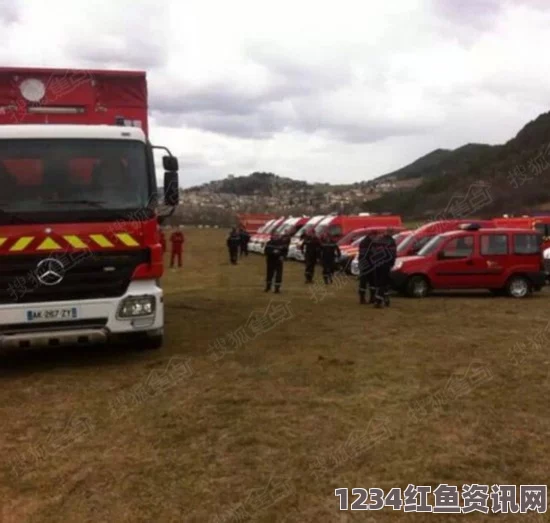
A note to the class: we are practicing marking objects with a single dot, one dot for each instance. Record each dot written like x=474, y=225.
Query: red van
x=421, y=236
x=338, y=226
x=350, y=238
x=504, y=261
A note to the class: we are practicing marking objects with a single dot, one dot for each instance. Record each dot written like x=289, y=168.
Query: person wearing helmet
x=276, y=250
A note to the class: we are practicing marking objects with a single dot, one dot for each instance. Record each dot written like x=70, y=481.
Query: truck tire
x=417, y=287
x=151, y=342
x=518, y=287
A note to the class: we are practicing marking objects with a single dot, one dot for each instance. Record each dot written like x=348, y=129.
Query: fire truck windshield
x=68, y=177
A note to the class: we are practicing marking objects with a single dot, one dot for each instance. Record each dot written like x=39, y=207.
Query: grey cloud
x=289, y=79
x=121, y=51
x=128, y=35
x=10, y=11
x=256, y=125
x=291, y=101
x=216, y=99
x=478, y=13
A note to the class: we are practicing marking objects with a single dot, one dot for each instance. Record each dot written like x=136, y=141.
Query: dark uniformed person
x=329, y=252
x=366, y=269
x=245, y=238
x=311, y=247
x=276, y=249
x=386, y=259
x=233, y=244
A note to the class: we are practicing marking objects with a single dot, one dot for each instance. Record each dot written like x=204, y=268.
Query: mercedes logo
x=50, y=271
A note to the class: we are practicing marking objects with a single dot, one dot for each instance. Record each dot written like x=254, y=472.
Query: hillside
x=515, y=175
x=418, y=167
x=512, y=177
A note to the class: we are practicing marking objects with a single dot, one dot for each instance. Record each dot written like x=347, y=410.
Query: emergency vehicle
x=502, y=260
x=251, y=223
x=81, y=258
x=294, y=251
x=259, y=240
x=338, y=226
x=288, y=228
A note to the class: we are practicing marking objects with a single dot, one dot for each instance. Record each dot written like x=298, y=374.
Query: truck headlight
x=397, y=266
x=135, y=306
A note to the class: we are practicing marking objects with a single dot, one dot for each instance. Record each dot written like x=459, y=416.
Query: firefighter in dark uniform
x=245, y=238
x=329, y=252
x=311, y=247
x=386, y=262
x=276, y=250
x=366, y=269
x=233, y=243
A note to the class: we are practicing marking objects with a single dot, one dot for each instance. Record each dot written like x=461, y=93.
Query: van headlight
x=136, y=306
x=398, y=264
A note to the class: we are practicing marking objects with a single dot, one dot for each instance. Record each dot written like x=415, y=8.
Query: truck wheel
x=151, y=342
x=518, y=287
x=417, y=287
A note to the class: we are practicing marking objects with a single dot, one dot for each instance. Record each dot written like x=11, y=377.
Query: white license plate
x=63, y=314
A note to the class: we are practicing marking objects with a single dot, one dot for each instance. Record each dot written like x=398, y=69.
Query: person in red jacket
x=177, y=240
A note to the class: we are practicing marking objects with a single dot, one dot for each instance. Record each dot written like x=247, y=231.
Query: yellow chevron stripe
x=2, y=241
x=127, y=240
x=101, y=240
x=75, y=241
x=21, y=243
x=48, y=244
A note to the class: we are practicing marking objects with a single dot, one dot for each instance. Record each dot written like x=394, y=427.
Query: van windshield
x=405, y=244
x=430, y=247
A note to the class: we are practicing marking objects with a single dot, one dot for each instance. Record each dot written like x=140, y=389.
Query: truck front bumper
x=84, y=322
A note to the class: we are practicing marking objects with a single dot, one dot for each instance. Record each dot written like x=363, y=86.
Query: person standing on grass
x=177, y=240
x=387, y=259
x=366, y=269
x=311, y=247
x=329, y=253
x=245, y=238
x=233, y=244
x=276, y=250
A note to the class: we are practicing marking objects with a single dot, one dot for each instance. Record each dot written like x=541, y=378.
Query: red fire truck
x=80, y=248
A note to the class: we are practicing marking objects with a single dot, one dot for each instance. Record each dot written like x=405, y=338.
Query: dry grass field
x=261, y=405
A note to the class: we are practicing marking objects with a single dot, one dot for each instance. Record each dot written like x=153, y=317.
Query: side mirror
x=171, y=188
x=170, y=163
x=441, y=255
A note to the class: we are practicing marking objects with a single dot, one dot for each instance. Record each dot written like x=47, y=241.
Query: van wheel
x=417, y=287
x=518, y=287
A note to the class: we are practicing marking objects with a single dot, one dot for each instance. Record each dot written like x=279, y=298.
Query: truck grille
x=100, y=275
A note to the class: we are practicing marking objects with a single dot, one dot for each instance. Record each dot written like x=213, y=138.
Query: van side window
x=541, y=229
x=461, y=247
x=526, y=244
x=494, y=244
x=335, y=230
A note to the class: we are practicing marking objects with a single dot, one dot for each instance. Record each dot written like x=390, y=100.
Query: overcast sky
x=340, y=91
